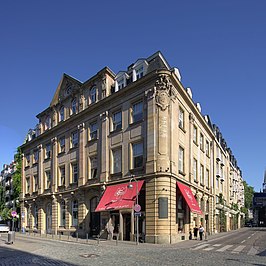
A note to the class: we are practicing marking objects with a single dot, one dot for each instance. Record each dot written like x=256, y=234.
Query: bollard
x=87, y=237
x=206, y=237
x=68, y=235
x=98, y=240
x=77, y=236
x=116, y=241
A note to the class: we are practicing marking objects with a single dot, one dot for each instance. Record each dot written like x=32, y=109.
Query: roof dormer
x=121, y=80
x=139, y=69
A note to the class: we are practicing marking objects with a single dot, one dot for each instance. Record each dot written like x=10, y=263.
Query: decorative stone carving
x=191, y=118
x=164, y=92
x=104, y=115
x=81, y=102
x=81, y=126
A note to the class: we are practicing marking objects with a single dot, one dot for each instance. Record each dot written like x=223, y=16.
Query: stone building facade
x=139, y=127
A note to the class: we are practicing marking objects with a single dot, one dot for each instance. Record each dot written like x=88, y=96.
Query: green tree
x=17, y=175
x=248, y=193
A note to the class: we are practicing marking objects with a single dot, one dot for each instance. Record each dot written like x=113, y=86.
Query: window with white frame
x=35, y=185
x=181, y=123
x=74, y=139
x=93, y=130
x=201, y=174
x=74, y=167
x=195, y=134
x=48, y=178
x=207, y=148
x=36, y=156
x=139, y=72
x=195, y=169
x=93, y=95
x=74, y=106
x=117, y=161
x=47, y=151
x=201, y=142
x=207, y=178
x=27, y=185
x=137, y=112
x=137, y=150
x=74, y=213
x=117, y=120
x=93, y=167
x=62, y=175
x=62, y=144
x=121, y=83
x=181, y=153
x=63, y=213
x=62, y=114
x=47, y=123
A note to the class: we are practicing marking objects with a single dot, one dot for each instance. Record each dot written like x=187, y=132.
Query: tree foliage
x=17, y=175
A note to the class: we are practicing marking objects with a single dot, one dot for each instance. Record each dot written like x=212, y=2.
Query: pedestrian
x=195, y=231
x=201, y=231
x=190, y=235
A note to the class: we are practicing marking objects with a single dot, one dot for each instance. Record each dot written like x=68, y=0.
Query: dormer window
x=139, y=69
x=120, y=84
x=139, y=72
x=121, y=80
x=74, y=106
x=62, y=113
x=93, y=95
x=47, y=123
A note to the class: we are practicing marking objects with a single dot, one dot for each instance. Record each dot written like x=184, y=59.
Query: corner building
x=117, y=139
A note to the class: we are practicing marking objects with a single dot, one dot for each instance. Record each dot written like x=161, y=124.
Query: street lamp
x=137, y=207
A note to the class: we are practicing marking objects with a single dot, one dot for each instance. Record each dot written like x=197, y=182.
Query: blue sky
x=218, y=46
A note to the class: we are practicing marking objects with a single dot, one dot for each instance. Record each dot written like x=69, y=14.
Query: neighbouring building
x=259, y=206
x=115, y=140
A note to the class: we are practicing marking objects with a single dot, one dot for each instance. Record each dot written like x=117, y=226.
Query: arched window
x=63, y=213
x=62, y=114
x=74, y=213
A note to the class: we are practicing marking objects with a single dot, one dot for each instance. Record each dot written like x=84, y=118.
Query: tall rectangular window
x=137, y=112
x=74, y=139
x=137, y=149
x=75, y=213
x=201, y=174
x=181, y=123
x=207, y=178
x=181, y=153
x=195, y=134
x=28, y=185
x=139, y=72
x=62, y=114
x=27, y=156
x=36, y=156
x=207, y=147
x=47, y=151
x=93, y=95
x=74, y=167
x=117, y=161
x=195, y=169
x=35, y=185
x=62, y=174
x=73, y=106
x=62, y=144
x=93, y=130
x=120, y=84
x=48, y=178
x=93, y=167
x=117, y=120
x=201, y=142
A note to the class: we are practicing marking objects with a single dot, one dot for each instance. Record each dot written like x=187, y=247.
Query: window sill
x=181, y=173
x=61, y=153
x=195, y=143
x=92, y=140
x=27, y=167
x=136, y=123
x=116, y=131
x=196, y=181
x=73, y=148
x=137, y=170
x=116, y=175
x=46, y=160
x=183, y=129
x=202, y=150
x=202, y=184
x=35, y=164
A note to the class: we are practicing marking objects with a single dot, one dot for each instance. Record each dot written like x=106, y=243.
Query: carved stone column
x=54, y=165
x=40, y=170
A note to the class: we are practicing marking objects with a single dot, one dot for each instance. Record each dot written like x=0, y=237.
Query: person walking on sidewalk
x=201, y=231
x=195, y=232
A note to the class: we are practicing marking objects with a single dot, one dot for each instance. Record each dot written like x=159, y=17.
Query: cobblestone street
x=30, y=250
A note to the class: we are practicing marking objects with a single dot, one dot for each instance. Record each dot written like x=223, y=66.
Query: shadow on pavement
x=10, y=256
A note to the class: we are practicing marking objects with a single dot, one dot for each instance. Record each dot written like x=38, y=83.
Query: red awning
x=119, y=197
x=189, y=197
